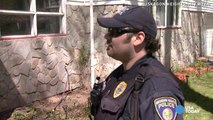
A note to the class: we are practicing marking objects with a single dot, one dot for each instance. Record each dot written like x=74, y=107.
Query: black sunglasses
x=115, y=32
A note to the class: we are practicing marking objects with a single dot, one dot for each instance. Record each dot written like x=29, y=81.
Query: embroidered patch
x=165, y=107
x=119, y=89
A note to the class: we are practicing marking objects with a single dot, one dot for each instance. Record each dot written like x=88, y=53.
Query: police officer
x=141, y=88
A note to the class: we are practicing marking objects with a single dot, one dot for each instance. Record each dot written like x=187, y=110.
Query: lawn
x=198, y=95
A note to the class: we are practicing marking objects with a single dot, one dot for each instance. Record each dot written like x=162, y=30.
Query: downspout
x=200, y=34
x=92, y=49
x=166, y=12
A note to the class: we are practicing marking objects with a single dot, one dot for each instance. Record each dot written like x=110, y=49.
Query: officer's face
x=119, y=45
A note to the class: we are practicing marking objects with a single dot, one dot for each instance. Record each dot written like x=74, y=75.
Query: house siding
x=198, y=5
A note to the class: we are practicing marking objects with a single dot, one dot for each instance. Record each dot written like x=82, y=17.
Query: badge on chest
x=119, y=89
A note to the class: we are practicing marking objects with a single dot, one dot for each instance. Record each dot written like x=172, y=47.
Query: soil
x=75, y=102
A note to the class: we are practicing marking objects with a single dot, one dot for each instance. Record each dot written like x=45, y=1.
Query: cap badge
x=119, y=89
x=165, y=107
x=120, y=12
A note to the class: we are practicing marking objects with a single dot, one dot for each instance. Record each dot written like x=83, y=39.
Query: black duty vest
x=112, y=103
x=111, y=108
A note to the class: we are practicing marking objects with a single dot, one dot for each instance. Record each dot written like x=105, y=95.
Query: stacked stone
x=34, y=69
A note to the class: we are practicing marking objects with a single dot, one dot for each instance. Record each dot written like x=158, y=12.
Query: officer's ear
x=139, y=38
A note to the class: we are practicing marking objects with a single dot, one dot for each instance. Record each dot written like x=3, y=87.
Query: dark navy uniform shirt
x=158, y=98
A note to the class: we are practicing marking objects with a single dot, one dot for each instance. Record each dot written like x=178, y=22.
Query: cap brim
x=110, y=23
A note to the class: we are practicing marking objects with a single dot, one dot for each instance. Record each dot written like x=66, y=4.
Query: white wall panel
x=198, y=5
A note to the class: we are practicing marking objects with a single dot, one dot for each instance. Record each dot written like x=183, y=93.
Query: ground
x=198, y=85
x=75, y=102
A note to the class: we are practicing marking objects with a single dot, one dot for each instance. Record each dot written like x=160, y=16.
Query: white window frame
x=34, y=13
x=177, y=25
x=105, y=2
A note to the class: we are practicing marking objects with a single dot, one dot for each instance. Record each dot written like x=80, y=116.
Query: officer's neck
x=129, y=63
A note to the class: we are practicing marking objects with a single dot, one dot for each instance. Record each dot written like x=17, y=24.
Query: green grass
x=198, y=95
x=29, y=113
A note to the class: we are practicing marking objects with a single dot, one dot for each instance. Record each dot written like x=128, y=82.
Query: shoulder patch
x=119, y=89
x=165, y=107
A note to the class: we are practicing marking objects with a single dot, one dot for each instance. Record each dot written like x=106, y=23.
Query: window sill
x=168, y=27
x=18, y=37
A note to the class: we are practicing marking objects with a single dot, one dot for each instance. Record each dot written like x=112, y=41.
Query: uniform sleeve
x=160, y=103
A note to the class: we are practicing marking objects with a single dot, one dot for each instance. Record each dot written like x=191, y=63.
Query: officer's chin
x=110, y=54
x=114, y=57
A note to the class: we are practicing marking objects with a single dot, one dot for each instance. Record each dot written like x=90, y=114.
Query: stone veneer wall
x=34, y=69
x=79, y=30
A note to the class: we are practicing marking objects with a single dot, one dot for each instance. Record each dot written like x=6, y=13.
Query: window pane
x=14, y=25
x=47, y=5
x=22, y=5
x=173, y=11
x=47, y=24
x=160, y=12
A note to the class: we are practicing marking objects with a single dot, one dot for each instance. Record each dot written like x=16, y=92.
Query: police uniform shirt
x=158, y=97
